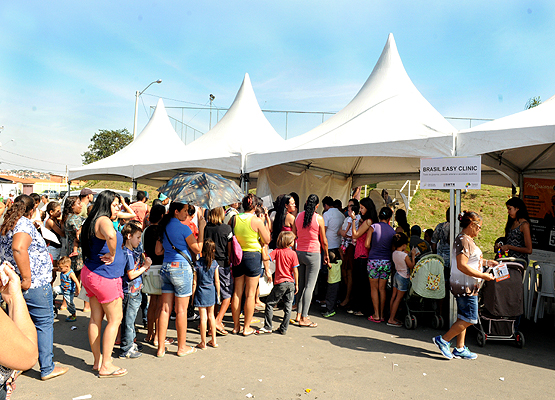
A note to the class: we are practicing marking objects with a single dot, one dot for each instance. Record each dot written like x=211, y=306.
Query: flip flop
x=294, y=322
x=212, y=344
x=200, y=348
x=250, y=333
x=371, y=318
x=311, y=325
x=395, y=324
x=193, y=350
x=116, y=374
x=222, y=332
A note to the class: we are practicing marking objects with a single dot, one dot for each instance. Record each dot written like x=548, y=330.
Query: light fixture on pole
x=137, y=94
x=211, y=97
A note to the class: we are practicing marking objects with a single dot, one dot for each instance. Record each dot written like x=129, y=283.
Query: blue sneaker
x=464, y=354
x=443, y=346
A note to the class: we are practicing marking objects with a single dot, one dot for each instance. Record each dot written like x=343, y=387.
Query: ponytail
x=309, y=209
x=22, y=206
x=467, y=217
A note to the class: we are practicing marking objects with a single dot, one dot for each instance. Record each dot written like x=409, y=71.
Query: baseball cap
x=162, y=196
x=85, y=192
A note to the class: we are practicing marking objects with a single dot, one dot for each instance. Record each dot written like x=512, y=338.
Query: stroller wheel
x=414, y=322
x=436, y=322
x=481, y=339
x=441, y=322
x=408, y=322
x=520, y=340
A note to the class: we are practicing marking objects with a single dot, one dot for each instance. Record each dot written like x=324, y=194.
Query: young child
x=334, y=280
x=286, y=282
x=206, y=286
x=132, y=283
x=69, y=286
x=401, y=279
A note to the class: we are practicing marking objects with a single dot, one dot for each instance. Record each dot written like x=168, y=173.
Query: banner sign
x=539, y=197
x=451, y=173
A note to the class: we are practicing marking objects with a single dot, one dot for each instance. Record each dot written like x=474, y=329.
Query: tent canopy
x=243, y=130
x=519, y=144
x=157, y=142
x=387, y=118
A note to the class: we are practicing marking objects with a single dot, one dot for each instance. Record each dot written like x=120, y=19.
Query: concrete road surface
x=345, y=357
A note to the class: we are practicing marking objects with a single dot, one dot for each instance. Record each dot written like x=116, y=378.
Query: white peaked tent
x=517, y=145
x=380, y=135
x=146, y=155
x=242, y=130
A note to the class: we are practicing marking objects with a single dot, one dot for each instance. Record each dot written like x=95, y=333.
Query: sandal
x=250, y=333
x=222, y=332
x=358, y=314
x=311, y=325
x=371, y=318
x=211, y=344
x=115, y=374
x=193, y=350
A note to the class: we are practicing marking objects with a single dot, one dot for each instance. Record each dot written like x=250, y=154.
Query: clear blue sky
x=68, y=69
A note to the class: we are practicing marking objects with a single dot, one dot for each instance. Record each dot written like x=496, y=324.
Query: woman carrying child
x=401, y=280
x=52, y=223
x=361, y=285
x=206, y=285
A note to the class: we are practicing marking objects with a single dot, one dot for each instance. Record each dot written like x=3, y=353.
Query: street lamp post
x=137, y=94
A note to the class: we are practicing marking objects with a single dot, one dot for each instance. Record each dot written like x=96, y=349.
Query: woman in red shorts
x=101, y=276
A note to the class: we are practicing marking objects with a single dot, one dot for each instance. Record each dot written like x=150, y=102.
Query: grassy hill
x=428, y=209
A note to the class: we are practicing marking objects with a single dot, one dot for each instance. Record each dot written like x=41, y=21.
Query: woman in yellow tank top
x=250, y=231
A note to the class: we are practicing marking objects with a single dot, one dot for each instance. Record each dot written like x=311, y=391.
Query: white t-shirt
x=462, y=284
x=333, y=220
x=399, y=258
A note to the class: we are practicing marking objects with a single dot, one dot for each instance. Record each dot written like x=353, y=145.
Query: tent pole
x=134, y=194
x=452, y=218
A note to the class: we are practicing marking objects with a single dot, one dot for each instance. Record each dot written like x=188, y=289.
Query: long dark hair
x=68, y=207
x=385, y=214
x=309, y=209
x=174, y=206
x=522, y=212
x=401, y=219
x=279, y=218
x=22, y=206
x=102, y=208
x=371, y=212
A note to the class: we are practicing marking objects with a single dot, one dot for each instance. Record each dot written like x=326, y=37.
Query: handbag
x=152, y=283
x=236, y=250
x=184, y=255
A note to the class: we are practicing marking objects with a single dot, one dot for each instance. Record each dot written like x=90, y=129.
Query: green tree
x=105, y=143
x=533, y=102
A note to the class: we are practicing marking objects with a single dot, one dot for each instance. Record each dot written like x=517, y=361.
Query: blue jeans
x=68, y=297
x=39, y=303
x=131, y=304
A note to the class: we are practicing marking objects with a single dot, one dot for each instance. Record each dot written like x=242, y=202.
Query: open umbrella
x=202, y=189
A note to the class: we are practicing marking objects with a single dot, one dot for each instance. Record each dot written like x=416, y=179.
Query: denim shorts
x=251, y=265
x=400, y=282
x=54, y=252
x=177, y=278
x=467, y=309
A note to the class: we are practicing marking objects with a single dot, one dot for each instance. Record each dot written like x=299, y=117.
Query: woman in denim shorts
x=177, y=273
x=466, y=279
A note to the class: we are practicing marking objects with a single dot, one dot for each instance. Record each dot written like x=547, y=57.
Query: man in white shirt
x=333, y=220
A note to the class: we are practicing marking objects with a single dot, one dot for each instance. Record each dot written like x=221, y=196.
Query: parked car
x=95, y=191
x=52, y=194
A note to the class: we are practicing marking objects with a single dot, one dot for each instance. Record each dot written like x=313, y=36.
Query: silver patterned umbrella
x=202, y=189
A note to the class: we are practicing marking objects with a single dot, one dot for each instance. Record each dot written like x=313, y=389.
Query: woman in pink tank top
x=311, y=240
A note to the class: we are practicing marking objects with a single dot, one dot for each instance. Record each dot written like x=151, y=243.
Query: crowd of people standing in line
x=175, y=251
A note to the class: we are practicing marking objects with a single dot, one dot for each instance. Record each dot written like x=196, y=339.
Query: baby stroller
x=427, y=283
x=501, y=305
